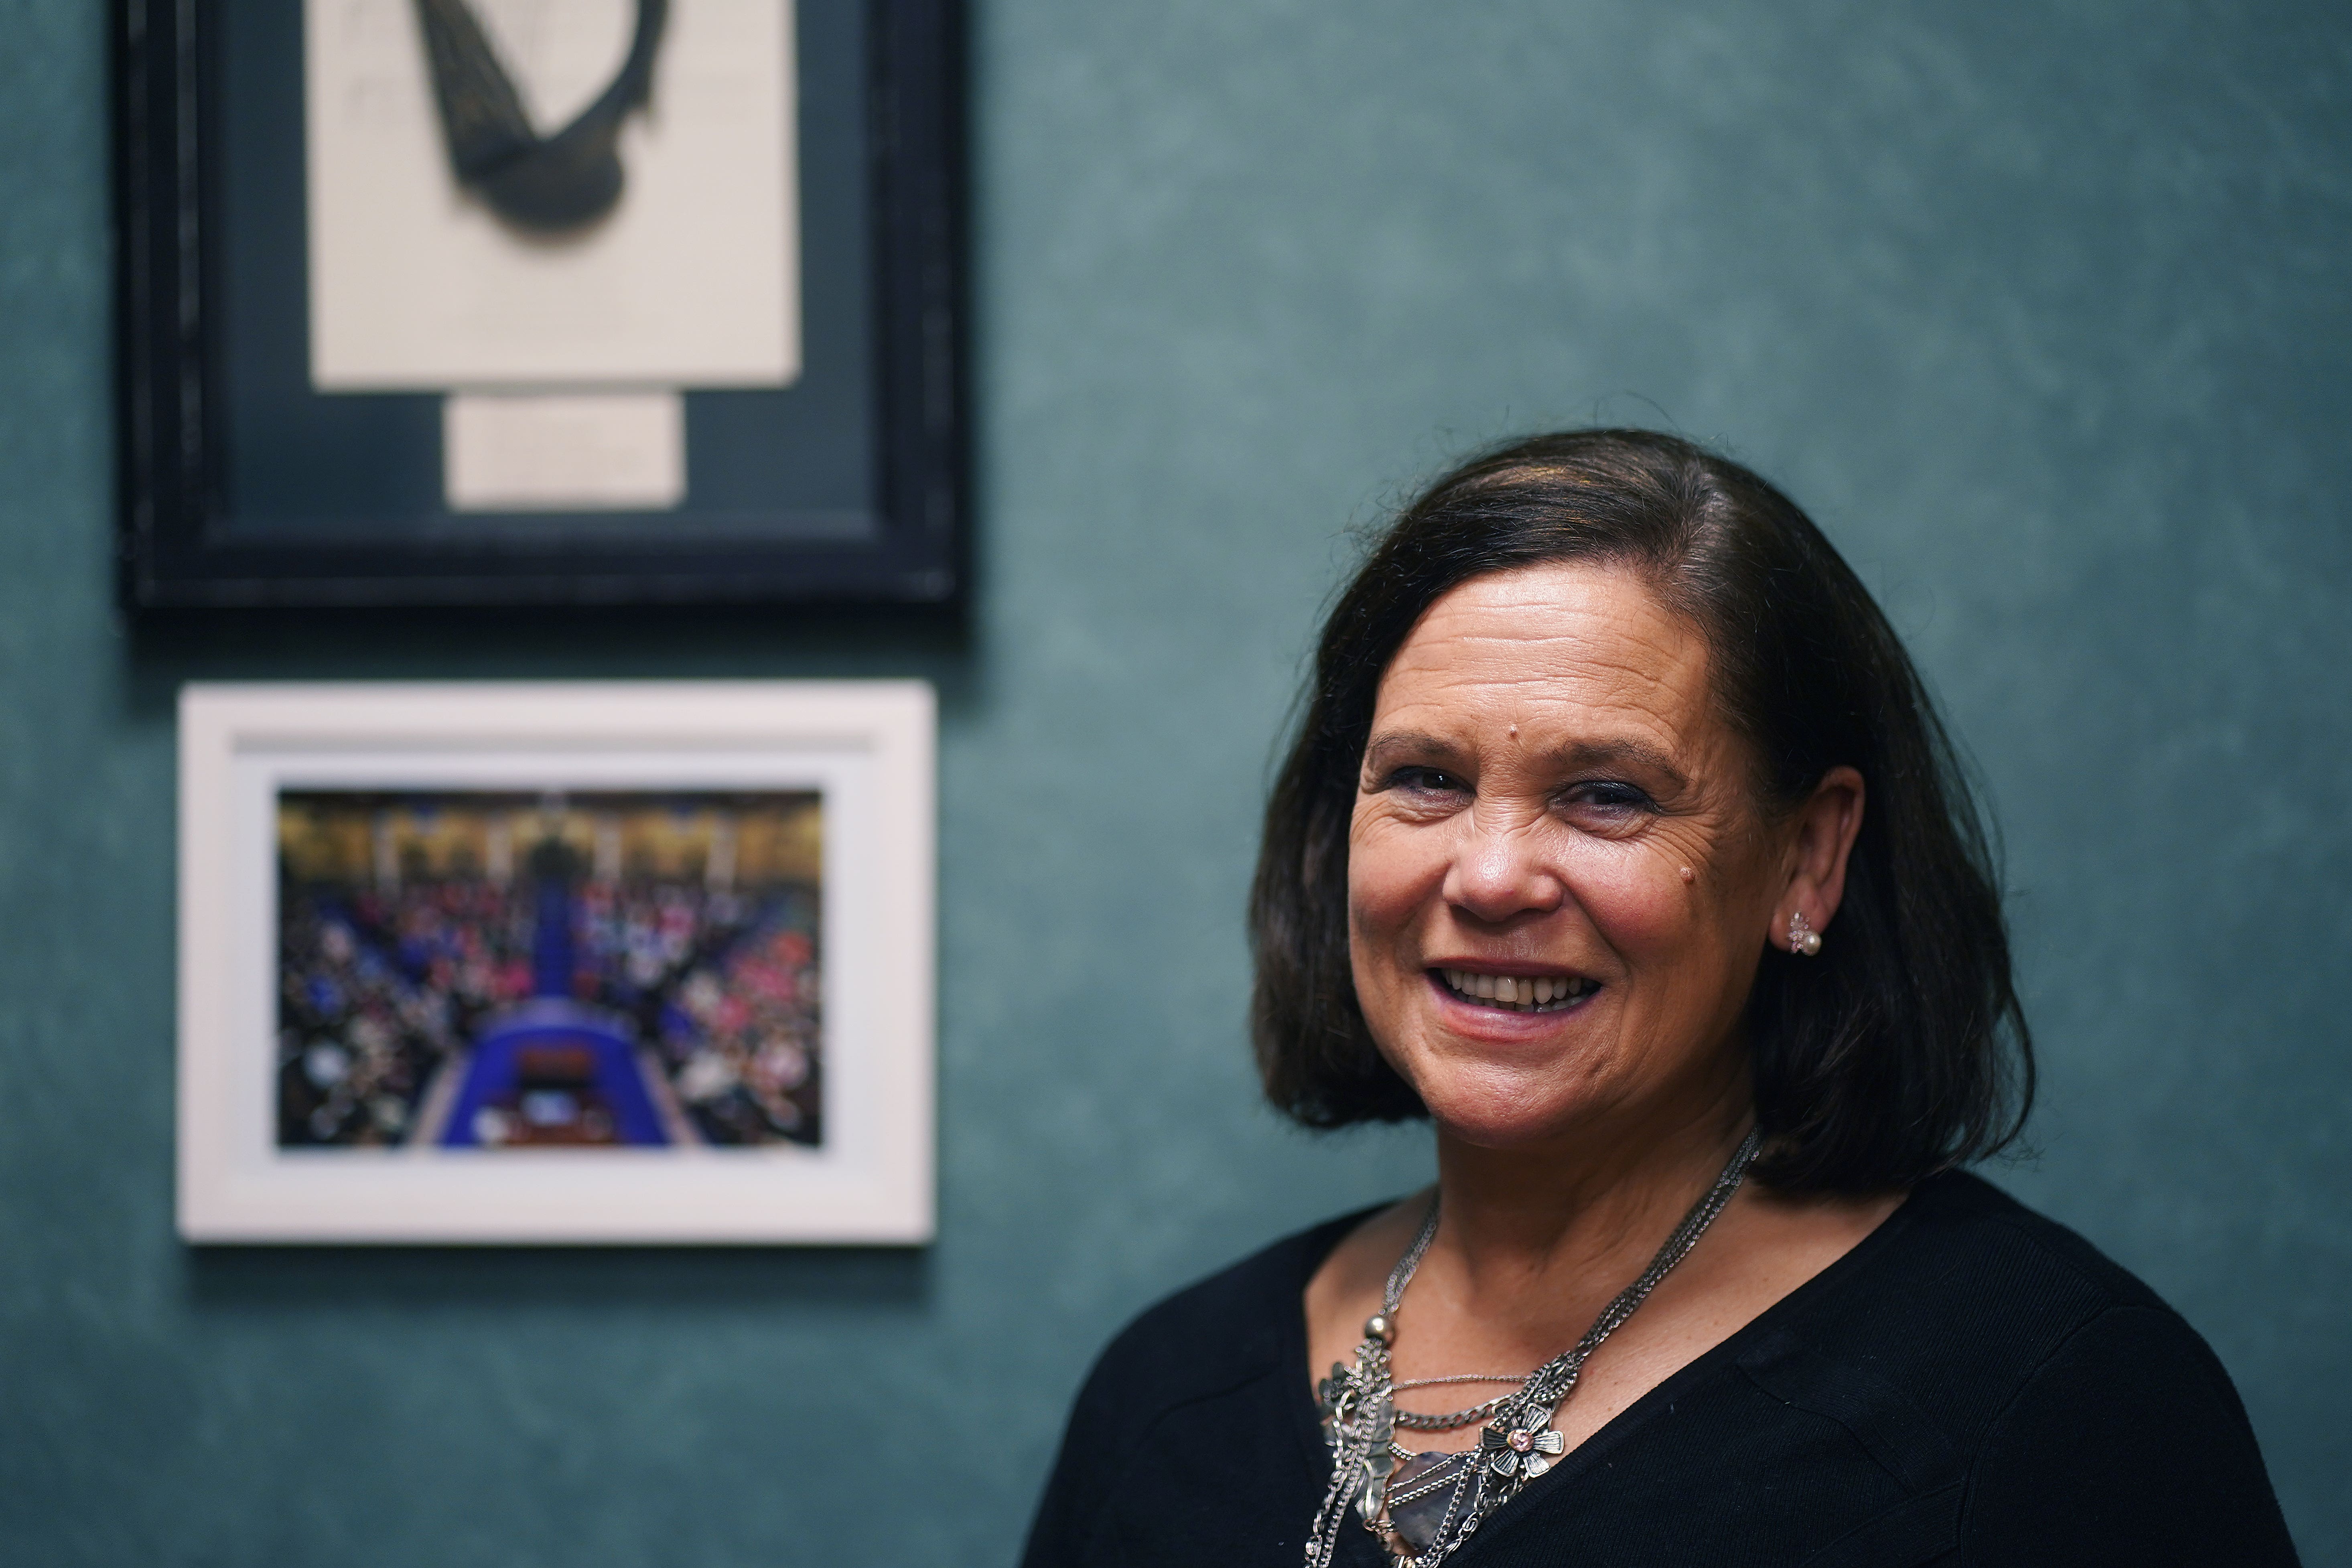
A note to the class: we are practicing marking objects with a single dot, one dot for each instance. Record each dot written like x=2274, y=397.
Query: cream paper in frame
x=692, y=279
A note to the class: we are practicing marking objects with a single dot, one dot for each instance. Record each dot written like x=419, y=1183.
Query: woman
x=1621, y=841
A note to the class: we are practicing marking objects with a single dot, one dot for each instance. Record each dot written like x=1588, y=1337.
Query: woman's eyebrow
x=1578, y=755
x=1392, y=746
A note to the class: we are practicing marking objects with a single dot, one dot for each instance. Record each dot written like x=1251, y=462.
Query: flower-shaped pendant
x=1526, y=1446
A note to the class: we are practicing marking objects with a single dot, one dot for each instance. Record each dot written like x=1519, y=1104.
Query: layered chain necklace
x=1423, y=1506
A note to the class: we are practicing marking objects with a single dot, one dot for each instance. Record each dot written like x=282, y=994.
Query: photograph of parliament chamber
x=482, y=303
x=562, y=962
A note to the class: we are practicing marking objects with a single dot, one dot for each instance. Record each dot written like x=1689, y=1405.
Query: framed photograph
x=510, y=301
x=556, y=962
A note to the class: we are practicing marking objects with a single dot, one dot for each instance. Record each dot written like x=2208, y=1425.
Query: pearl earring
x=1803, y=937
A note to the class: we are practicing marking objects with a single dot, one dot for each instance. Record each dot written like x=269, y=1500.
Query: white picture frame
x=864, y=748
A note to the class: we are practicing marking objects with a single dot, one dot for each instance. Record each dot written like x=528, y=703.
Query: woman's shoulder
x=1221, y=1345
x=1961, y=1252
x=1996, y=1346
x=1237, y=1323
x=1964, y=1293
x=1982, y=1351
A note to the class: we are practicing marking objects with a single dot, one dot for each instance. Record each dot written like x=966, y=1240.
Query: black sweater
x=1972, y=1385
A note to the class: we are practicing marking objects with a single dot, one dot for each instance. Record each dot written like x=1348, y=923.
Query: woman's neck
x=1589, y=1208
x=1533, y=1244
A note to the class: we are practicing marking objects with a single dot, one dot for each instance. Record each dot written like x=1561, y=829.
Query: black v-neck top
x=1972, y=1385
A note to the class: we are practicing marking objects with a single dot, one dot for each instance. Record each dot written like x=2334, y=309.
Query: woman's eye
x=1608, y=801
x=1426, y=781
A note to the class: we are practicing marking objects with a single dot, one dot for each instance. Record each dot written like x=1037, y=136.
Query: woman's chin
x=1502, y=1108
x=1511, y=1092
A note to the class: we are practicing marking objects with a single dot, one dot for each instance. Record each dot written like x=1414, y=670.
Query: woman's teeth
x=1520, y=993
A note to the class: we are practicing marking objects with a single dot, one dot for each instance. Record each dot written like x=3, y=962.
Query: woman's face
x=1559, y=884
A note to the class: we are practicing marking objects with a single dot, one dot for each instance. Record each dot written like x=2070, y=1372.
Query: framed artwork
x=556, y=962
x=509, y=301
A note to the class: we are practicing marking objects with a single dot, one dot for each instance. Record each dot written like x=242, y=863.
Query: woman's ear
x=1825, y=827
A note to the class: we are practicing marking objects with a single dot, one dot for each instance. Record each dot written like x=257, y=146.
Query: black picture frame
x=321, y=500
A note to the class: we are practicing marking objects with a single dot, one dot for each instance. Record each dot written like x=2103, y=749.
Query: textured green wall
x=2042, y=308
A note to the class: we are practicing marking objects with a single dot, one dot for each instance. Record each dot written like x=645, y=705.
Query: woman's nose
x=1500, y=871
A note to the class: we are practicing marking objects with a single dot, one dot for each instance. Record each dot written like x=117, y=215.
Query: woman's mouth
x=1517, y=993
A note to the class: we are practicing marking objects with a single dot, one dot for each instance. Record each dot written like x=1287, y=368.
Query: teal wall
x=2042, y=307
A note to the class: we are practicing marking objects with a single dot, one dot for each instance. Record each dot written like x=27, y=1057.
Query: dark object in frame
x=242, y=487
x=550, y=184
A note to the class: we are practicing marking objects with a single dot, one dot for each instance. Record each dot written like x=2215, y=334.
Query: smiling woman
x=1620, y=841
x=1546, y=761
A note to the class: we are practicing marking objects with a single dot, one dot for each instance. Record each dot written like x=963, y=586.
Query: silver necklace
x=1422, y=1507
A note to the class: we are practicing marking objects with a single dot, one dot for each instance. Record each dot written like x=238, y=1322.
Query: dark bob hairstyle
x=1900, y=1050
